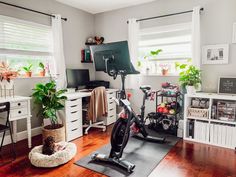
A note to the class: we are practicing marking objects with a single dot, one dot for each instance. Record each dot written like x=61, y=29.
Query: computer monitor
x=77, y=78
x=118, y=55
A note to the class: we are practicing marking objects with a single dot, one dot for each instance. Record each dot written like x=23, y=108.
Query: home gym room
x=138, y=88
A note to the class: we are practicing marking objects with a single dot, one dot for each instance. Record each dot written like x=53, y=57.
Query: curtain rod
x=31, y=10
x=168, y=15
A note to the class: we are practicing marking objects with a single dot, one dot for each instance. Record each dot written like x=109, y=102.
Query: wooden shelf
x=198, y=118
x=86, y=61
x=223, y=121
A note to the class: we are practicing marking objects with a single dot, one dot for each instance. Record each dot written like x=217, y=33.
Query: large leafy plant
x=50, y=101
x=189, y=75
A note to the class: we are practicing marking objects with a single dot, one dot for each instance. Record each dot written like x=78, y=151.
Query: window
x=23, y=43
x=174, y=43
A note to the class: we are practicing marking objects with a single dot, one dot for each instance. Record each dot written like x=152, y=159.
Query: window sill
x=32, y=77
x=159, y=75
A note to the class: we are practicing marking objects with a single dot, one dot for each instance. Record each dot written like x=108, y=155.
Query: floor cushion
x=58, y=158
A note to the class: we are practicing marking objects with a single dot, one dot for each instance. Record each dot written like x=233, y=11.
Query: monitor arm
x=110, y=71
x=114, y=73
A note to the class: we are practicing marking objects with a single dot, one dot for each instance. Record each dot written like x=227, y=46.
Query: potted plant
x=42, y=69
x=6, y=76
x=50, y=101
x=164, y=69
x=189, y=77
x=28, y=70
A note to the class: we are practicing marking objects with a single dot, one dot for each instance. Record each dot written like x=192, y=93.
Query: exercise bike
x=128, y=121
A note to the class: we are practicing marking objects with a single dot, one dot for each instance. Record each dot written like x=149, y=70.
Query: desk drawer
x=73, y=103
x=71, y=116
x=19, y=112
x=110, y=95
x=111, y=117
x=74, y=133
x=111, y=105
x=74, y=124
x=19, y=104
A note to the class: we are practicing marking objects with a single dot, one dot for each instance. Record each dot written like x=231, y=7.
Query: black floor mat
x=145, y=155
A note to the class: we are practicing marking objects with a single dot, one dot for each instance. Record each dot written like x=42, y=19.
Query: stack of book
x=223, y=135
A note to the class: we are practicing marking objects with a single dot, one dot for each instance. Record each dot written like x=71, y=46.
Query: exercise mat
x=145, y=155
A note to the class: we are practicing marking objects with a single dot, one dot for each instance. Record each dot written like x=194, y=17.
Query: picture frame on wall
x=215, y=54
x=234, y=33
x=227, y=85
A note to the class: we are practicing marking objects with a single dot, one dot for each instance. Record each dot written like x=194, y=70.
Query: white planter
x=7, y=85
x=190, y=90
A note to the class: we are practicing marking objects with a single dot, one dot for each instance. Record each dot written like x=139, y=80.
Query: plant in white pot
x=189, y=77
x=6, y=76
x=50, y=101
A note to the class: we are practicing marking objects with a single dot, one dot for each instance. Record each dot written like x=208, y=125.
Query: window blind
x=173, y=40
x=24, y=38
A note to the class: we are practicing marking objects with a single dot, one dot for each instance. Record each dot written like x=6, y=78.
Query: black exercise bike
x=128, y=121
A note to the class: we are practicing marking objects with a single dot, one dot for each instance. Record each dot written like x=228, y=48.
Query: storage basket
x=198, y=113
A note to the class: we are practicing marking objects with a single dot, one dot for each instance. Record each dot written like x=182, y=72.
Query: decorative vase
x=191, y=90
x=28, y=74
x=42, y=73
x=7, y=85
x=57, y=133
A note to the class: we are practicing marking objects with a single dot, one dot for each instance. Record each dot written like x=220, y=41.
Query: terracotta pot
x=28, y=74
x=164, y=72
x=42, y=73
x=58, y=134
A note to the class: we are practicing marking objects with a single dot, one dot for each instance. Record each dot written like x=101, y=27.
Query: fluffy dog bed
x=58, y=158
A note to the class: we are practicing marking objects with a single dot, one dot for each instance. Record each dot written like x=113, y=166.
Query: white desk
x=72, y=115
x=19, y=109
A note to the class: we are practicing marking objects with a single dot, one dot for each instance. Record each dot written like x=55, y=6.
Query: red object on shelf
x=82, y=55
x=129, y=95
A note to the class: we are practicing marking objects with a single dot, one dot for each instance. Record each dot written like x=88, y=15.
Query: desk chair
x=5, y=108
x=98, y=98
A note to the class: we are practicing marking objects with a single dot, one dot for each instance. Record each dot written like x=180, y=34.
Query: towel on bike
x=98, y=104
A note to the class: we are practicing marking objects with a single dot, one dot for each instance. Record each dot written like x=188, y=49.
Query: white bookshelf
x=207, y=130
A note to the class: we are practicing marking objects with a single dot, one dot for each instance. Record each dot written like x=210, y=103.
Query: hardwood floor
x=184, y=160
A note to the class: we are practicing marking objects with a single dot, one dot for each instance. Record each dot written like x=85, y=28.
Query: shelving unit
x=178, y=98
x=208, y=130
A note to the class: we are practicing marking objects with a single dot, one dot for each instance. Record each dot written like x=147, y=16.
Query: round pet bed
x=58, y=158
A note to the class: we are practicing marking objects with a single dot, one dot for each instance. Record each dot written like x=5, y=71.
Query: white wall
x=216, y=26
x=79, y=26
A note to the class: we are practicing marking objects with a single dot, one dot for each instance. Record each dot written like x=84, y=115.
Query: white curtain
x=196, y=37
x=59, y=58
x=133, y=39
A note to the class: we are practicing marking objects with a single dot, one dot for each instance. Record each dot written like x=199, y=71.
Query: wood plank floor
x=184, y=160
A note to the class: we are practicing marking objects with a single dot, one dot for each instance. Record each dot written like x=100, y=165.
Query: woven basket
x=198, y=113
x=58, y=134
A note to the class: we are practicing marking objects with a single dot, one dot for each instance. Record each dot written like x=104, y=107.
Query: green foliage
x=41, y=65
x=50, y=100
x=156, y=52
x=28, y=68
x=152, y=53
x=189, y=75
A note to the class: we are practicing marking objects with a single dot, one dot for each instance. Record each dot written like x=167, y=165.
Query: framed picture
x=234, y=33
x=215, y=54
x=227, y=85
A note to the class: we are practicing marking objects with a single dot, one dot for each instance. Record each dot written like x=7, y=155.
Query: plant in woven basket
x=50, y=101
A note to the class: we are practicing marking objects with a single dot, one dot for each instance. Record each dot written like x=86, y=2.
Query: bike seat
x=145, y=87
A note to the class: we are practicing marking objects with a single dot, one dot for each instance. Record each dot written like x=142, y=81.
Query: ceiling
x=98, y=6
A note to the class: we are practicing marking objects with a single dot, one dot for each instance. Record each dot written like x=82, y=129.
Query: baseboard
x=22, y=135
